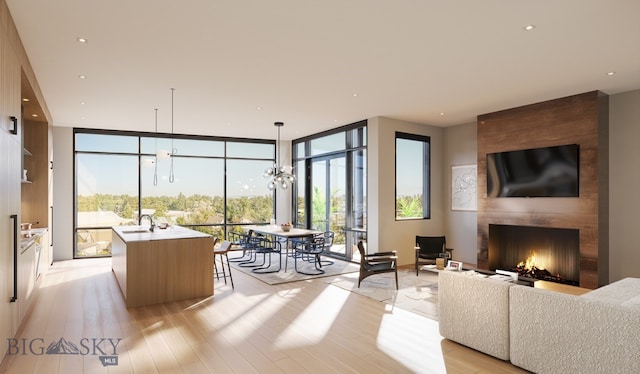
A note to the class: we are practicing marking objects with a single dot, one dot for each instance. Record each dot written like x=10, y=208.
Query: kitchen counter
x=161, y=266
x=28, y=237
x=142, y=233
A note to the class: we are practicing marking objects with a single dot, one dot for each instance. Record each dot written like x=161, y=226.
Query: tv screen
x=539, y=172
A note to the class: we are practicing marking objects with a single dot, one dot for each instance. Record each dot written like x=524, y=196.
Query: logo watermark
x=106, y=349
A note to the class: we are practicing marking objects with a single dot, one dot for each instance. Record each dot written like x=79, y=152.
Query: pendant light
x=148, y=162
x=279, y=175
x=155, y=170
x=165, y=154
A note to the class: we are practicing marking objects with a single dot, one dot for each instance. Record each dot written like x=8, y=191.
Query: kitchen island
x=162, y=265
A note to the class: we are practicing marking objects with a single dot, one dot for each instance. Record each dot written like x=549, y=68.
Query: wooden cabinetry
x=35, y=194
x=161, y=266
x=10, y=174
x=18, y=274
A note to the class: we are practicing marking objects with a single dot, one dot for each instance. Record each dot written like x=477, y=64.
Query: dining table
x=277, y=231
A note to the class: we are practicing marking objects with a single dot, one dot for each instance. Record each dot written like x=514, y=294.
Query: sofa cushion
x=623, y=292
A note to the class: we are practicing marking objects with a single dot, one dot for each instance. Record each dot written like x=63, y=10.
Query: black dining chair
x=310, y=250
x=267, y=246
x=329, y=236
x=241, y=242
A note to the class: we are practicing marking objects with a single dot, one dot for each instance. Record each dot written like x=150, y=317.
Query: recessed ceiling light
x=82, y=117
x=259, y=108
x=34, y=115
x=82, y=40
x=442, y=113
x=529, y=27
x=25, y=100
x=355, y=94
x=82, y=76
x=82, y=103
x=611, y=73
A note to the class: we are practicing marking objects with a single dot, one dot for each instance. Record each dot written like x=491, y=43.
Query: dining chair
x=267, y=246
x=377, y=263
x=329, y=236
x=310, y=250
x=241, y=242
x=223, y=252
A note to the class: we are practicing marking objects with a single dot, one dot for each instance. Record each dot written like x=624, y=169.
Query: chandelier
x=279, y=175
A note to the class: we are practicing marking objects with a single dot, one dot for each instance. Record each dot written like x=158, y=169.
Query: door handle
x=14, y=298
x=51, y=228
x=14, y=130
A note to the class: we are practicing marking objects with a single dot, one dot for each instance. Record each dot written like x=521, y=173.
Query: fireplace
x=544, y=253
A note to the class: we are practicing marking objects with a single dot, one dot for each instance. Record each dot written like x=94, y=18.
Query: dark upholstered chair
x=428, y=248
x=377, y=263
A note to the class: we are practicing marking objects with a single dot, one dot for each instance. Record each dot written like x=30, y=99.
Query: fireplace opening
x=542, y=253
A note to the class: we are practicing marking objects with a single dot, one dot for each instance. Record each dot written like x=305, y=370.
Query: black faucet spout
x=151, y=223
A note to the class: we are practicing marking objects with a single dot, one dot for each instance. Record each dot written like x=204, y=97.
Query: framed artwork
x=464, y=187
x=454, y=265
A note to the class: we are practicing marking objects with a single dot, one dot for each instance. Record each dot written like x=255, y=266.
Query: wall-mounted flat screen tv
x=538, y=172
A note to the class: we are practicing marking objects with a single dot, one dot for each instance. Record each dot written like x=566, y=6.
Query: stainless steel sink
x=136, y=231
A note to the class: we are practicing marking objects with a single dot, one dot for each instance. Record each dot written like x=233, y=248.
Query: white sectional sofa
x=598, y=332
x=544, y=331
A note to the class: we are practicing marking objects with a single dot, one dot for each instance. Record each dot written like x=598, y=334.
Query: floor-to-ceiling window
x=412, y=176
x=209, y=184
x=331, y=190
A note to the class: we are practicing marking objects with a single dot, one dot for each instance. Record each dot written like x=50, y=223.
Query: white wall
x=624, y=179
x=461, y=148
x=384, y=232
x=62, y=193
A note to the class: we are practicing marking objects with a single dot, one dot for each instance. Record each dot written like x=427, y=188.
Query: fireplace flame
x=531, y=263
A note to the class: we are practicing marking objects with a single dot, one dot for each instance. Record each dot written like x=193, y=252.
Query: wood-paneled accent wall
x=580, y=119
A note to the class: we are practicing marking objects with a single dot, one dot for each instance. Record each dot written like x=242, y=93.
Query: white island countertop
x=142, y=233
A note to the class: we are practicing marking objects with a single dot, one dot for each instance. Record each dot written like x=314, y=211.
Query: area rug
x=291, y=275
x=418, y=294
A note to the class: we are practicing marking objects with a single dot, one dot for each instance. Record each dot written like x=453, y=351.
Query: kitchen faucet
x=151, y=225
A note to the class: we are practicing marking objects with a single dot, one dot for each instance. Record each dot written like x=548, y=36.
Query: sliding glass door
x=328, y=180
x=332, y=191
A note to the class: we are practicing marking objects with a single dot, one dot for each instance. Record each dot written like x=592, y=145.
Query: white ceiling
x=238, y=66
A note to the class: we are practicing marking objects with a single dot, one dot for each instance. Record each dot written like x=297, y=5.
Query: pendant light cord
x=173, y=150
x=155, y=164
x=278, y=146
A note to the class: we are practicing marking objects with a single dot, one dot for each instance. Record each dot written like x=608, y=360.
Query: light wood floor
x=303, y=327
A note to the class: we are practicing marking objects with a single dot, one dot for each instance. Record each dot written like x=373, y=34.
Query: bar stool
x=223, y=251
